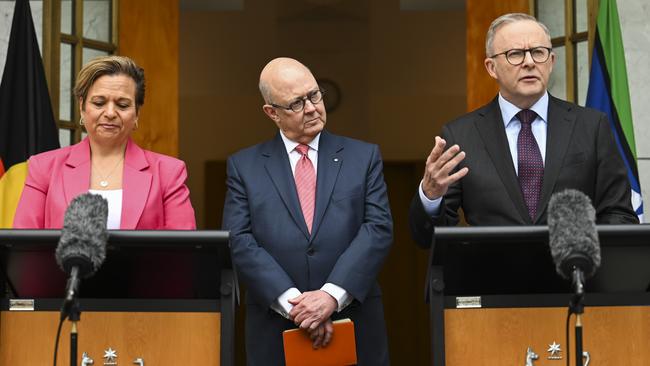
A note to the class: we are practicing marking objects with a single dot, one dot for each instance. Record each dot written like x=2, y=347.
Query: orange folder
x=341, y=351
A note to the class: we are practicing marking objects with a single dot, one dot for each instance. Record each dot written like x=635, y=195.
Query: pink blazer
x=154, y=197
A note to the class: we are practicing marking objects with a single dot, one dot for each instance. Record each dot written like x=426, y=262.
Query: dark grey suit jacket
x=580, y=153
x=273, y=251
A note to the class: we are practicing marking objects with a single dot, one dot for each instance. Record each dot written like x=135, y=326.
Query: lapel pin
x=336, y=160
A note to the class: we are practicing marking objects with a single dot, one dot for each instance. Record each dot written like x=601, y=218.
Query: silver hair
x=507, y=19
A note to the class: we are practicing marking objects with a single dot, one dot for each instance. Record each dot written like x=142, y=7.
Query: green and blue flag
x=608, y=91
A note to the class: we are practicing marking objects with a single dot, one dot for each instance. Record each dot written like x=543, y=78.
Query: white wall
x=6, y=17
x=634, y=15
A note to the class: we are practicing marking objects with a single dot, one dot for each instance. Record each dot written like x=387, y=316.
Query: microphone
x=82, y=246
x=573, y=238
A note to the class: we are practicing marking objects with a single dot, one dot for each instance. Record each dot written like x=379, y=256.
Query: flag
x=27, y=125
x=608, y=91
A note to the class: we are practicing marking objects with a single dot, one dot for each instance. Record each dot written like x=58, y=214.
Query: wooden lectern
x=496, y=300
x=160, y=298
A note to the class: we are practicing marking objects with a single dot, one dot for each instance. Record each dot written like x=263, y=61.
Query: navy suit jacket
x=273, y=251
x=580, y=154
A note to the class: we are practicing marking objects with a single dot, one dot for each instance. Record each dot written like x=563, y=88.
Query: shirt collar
x=290, y=145
x=509, y=110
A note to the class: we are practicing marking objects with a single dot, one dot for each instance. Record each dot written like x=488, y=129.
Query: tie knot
x=302, y=149
x=526, y=116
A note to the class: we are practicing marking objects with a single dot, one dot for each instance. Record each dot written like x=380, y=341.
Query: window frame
x=53, y=38
x=570, y=40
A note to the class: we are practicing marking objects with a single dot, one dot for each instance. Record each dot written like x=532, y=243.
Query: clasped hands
x=312, y=311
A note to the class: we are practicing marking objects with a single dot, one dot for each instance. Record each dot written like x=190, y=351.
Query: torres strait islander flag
x=608, y=91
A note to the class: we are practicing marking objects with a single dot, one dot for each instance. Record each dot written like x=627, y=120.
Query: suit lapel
x=279, y=170
x=136, y=183
x=492, y=130
x=559, y=129
x=76, y=175
x=329, y=164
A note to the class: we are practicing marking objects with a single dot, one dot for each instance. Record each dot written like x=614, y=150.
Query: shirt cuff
x=341, y=296
x=282, y=305
x=431, y=207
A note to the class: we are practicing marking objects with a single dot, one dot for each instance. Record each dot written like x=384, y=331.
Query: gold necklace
x=103, y=181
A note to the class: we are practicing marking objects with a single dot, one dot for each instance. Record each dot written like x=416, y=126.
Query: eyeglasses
x=516, y=56
x=299, y=104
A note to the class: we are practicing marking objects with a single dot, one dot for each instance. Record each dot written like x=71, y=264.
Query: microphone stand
x=71, y=310
x=577, y=307
x=74, y=317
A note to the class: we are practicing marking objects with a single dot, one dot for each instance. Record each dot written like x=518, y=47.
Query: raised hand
x=440, y=163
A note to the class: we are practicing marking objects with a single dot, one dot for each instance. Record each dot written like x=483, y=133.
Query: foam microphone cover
x=573, y=238
x=84, y=236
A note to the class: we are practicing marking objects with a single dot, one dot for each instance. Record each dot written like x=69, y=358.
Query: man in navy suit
x=310, y=225
x=501, y=173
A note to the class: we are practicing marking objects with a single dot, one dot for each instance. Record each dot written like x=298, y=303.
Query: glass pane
x=581, y=16
x=557, y=83
x=551, y=13
x=97, y=19
x=89, y=54
x=65, y=137
x=65, y=83
x=583, y=71
x=67, y=17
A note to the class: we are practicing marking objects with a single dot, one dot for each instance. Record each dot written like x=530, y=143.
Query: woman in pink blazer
x=145, y=190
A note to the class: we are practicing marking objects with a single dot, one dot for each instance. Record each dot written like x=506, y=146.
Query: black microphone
x=573, y=238
x=82, y=246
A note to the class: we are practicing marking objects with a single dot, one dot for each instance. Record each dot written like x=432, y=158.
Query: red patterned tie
x=306, y=185
x=530, y=163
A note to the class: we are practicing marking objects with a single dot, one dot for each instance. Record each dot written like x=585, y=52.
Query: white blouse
x=114, y=198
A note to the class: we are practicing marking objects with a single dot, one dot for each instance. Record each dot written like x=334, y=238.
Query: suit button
x=310, y=251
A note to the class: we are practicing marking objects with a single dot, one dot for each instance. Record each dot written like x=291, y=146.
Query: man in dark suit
x=310, y=225
x=508, y=157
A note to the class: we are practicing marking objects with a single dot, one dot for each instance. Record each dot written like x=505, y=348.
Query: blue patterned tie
x=530, y=163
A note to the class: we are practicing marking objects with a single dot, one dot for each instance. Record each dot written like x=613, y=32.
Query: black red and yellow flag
x=27, y=125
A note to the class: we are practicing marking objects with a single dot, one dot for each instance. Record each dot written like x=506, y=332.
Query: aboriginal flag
x=27, y=125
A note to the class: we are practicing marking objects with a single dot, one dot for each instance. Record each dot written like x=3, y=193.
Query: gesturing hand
x=312, y=308
x=440, y=163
